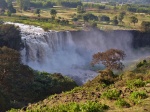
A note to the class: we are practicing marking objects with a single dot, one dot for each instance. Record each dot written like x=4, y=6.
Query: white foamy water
x=67, y=53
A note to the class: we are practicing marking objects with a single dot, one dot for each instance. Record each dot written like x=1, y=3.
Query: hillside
x=128, y=91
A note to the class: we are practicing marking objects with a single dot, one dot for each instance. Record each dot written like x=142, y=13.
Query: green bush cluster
x=122, y=103
x=136, y=96
x=135, y=83
x=111, y=94
x=71, y=107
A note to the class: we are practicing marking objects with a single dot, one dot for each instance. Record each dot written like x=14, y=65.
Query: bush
x=73, y=107
x=135, y=83
x=145, y=26
x=93, y=107
x=105, y=78
x=1, y=21
x=140, y=64
x=136, y=96
x=111, y=94
x=104, y=18
x=122, y=103
x=115, y=22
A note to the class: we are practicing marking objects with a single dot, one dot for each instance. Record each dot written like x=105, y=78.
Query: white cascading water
x=61, y=52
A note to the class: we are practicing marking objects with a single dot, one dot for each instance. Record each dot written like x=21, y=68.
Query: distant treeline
x=120, y=1
x=98, y=6
x=51, y=3
x=41, y=4
x=137, y=8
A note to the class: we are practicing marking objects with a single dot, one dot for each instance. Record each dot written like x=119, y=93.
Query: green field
x=29, y=17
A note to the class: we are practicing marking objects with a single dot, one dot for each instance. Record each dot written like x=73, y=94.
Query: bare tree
x=111, y=59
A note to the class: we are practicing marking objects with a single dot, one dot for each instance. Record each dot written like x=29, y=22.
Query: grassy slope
x=94, y=91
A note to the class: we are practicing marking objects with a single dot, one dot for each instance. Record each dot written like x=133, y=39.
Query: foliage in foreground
x=22, y=85
x=136, y=96
x=122, y=103
x=135, y=83
x=111, y=94
x=71, y=107
x=99, y=92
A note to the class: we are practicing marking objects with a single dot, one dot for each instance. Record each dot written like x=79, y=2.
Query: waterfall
x=69, y=53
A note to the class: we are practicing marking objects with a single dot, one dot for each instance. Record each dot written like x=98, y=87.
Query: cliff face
x=139, y=39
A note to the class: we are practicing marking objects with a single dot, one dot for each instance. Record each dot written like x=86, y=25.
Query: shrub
x=145, y=26
x=148, y=81
x=122, y=103
x=115, y=22
x=136, y=96
x=105, y=78
x=1, y=21
x=93, y=107
x=135, y=83
x=72, y=107
x=111, y=94
x=140, y=64
x=104, y=18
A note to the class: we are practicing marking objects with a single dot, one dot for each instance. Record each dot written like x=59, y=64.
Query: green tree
x=20, y=4
x=38, y=11
x=9, y=2
x=1, y=22
x=104, y=18
x=85, y=18
x=111, y=59
x=80, y=9
x=133, y=20
x=75, y=19
x=121, y=16
x=26, y=4
x=145, y=26
x=2, y=11
x=9, y=13
x=53, y=13
x=91, y=17
x=115, y=21
x=23, y=4
x=11, y=8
